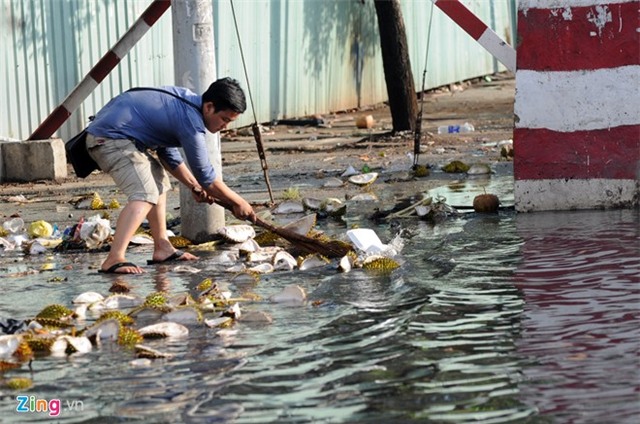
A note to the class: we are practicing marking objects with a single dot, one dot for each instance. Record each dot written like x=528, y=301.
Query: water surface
x=491, y=318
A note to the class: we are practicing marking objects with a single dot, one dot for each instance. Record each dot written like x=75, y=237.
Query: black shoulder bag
x=76, y=147
x=78, y=156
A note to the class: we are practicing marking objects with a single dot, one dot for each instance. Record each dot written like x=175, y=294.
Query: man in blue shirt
x=135, y=139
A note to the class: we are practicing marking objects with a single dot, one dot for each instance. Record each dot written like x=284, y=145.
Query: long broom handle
x=258, y=221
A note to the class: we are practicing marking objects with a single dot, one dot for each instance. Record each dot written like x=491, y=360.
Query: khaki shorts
x=138, y=174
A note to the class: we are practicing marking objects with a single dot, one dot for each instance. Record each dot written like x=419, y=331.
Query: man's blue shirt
x=160, y=122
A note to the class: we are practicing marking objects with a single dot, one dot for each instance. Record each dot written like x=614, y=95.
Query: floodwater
x=528, y=318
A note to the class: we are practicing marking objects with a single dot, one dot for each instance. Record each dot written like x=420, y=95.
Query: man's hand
x=244, y=211
x=201, y=196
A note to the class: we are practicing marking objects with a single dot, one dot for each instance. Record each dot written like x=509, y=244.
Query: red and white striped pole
x=577, y=105
x=106, y=64
x=479, y=31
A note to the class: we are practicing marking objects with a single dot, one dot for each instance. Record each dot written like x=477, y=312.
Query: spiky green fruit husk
x=216, y=302
x=455, y=166
x=180, y=242
x=96, y=202
x=40, y=345
x=266, y=238
x=53, y=324
x=205, y=285
x=19, y=383
x=381, y=265
x=421, y=171
x=129, y=337
x=155, y=300
x=121, y=317
x=56, y=312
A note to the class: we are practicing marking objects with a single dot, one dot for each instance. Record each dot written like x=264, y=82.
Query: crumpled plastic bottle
x=14, y=226
x=450, y=129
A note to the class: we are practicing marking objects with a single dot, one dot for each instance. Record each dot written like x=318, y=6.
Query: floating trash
x=256, y=317
x=55, y=312
x=345, y=264
x=249, y=246
x=486, y=203
x=68, y=345
x=184, y=315
x=284, y=261
x=129, y=337
x=9, y=344
x=263, y=268
x=164, y=329
x=220, y=322
x=237, y=233
x=145, y=352
x=380, y=263
x=19, y=383
x=121, y=301
x=366, y=240
x=290, y=294
x=312, y=261
x=108, y=329
x=303, y=225
x=88, y=297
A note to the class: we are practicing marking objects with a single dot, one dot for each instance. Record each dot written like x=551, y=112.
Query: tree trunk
x=397, y=66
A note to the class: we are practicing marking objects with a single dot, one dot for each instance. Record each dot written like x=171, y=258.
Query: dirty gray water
x=491, y=318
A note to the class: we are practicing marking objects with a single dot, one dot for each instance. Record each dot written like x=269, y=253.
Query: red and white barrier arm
x=104, y=66
x=480, y=32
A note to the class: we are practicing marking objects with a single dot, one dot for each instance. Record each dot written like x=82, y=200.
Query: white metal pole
x=195, y=68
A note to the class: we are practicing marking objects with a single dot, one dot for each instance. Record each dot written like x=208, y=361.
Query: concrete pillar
x=577, y=105
x=195, y=68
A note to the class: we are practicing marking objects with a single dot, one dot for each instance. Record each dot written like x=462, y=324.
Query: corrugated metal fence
x=303, y=57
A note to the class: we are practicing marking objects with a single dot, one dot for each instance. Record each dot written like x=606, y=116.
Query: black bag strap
x=193, y=105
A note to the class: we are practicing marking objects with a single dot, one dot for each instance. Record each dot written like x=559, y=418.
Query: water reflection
x=580, y=277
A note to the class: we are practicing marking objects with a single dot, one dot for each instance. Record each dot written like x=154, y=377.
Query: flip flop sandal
x=175, y=256
x=113, y=269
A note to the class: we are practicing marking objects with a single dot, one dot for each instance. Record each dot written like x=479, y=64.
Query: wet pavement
x=305, y=157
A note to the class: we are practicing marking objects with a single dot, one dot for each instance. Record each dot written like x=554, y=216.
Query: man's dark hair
x=226, y=94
